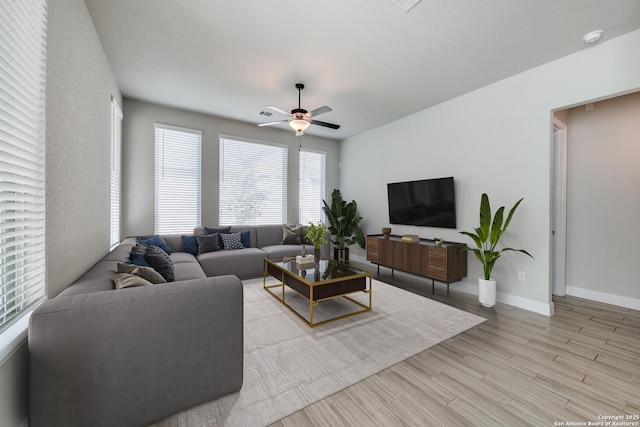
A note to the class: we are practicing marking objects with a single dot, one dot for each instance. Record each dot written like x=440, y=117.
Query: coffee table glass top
x=328, y=270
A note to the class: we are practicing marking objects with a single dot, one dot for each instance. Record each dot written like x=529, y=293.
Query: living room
x=496, y=138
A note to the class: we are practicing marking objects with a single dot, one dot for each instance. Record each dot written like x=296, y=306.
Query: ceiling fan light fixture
x=299, y=125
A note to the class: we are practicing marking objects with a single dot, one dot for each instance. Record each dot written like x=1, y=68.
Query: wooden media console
x=444, y=263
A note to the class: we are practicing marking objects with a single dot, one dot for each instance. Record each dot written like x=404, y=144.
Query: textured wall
x=138, y=164
x=496, y=139
x=79, y=89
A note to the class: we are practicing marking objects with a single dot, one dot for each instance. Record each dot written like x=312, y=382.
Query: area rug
x=288, y=366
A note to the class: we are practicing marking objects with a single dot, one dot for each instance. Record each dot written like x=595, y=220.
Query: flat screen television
x=428, y=202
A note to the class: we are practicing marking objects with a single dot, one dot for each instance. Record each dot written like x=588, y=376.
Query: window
x=312, y=185
x=178, y=152
x=116, y=145
x=253, y=182
x=23, y=47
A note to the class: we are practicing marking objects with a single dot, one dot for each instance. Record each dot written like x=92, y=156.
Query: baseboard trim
x=510, y=299
x=469, y=288
x=619, y=300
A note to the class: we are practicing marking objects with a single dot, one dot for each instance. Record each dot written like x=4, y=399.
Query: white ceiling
x=367, y=59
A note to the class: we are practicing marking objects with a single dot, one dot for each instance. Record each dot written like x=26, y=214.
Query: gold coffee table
x=328, y=280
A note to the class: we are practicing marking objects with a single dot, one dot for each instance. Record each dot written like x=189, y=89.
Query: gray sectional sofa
x=101, y=356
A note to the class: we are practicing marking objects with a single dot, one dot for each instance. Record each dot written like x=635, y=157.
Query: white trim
x=619, y=300
x=525, y=303
x=469, y=288
x=12, y=337
x=559, y=203
x=177, y=128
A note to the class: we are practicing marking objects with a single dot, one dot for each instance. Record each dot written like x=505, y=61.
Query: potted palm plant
x=343, y=225
x=486, y=239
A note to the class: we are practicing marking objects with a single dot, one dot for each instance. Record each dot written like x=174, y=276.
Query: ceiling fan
x=301, y=118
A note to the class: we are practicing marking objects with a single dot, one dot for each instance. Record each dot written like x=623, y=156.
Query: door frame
x=559, y=208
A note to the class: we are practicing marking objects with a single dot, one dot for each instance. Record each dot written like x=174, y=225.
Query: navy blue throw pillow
x=137, y=255
x=157, y=241
x=245, y=238
x=190, y=244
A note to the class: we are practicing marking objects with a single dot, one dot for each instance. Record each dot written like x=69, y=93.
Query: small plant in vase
x=486, y=238
x=317, y=235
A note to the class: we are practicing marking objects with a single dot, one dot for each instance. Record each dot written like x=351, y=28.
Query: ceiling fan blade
x=319, y=111
x=325, y=124
x=279, y=110
x=272, y=123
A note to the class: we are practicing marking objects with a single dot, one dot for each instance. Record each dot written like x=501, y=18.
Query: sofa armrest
x=135, y=356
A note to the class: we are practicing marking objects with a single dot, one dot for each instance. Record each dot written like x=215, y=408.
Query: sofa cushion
x=231, y=241
x=268, y=234
x=156, y=241
x=208, y=243
x=244, y=263
x=146, y=273
x=277, y=252
x=126, y=280
x=160, y=261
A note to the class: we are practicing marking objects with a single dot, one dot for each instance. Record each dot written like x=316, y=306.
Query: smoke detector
x=593, y=36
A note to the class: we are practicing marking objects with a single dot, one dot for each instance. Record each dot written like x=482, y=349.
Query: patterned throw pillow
x=160, y=261
x=231, y=241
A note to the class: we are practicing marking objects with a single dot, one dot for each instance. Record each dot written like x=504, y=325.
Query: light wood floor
x=517, y=368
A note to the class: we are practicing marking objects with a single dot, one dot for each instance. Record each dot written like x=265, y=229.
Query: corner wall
x=496, y=140
x=138, y=160
x=79, y=88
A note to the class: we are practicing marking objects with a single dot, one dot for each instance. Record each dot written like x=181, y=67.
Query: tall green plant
x=343, y=221
x=486, y=236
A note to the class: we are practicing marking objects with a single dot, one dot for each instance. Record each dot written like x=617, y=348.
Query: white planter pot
x=487, y=292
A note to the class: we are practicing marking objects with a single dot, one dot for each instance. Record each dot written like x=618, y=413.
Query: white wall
x=79, y=86
x=138, y=160
x=603, y=201
x=497, y=140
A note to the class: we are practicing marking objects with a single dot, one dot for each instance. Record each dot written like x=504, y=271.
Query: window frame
x=116, y=173
x=196, y=173
x=282, y=195
x=23, y=121
x=301, y=177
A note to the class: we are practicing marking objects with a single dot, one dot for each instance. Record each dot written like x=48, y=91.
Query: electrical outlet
x=522, y=276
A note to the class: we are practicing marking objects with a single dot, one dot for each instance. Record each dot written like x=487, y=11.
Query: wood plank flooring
x=516, y=369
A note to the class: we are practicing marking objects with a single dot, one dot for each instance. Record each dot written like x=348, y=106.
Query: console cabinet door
x=413, y=258
x=373, y=250
x=437, y=263
x=386, y=252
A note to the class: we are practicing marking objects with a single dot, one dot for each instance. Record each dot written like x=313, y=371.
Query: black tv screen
x=429, y=202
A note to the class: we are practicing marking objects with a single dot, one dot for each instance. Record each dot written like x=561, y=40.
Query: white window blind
x=116, y=148
x=253, y=182
x=23, y=49
x=312, y=185
x=178, y=152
